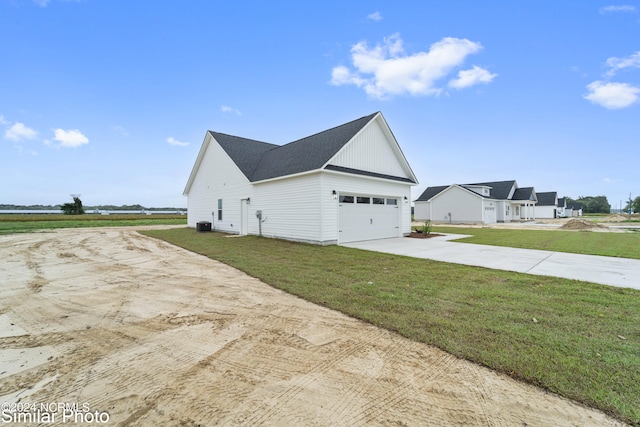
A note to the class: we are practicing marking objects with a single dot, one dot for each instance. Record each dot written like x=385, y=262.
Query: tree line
x=10, y=207
x=591, y=204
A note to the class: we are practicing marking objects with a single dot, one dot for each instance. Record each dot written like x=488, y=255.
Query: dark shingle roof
x=431, y=192
x=548, y=198
x=261, y=160
x=246, y=153
x=307, y=153
x=367, y=173
x=499, y=189
x=525, y=193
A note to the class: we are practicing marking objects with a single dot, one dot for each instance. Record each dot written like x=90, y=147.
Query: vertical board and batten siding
x=290, y=208
x=370, y=150
x=463, y=206
x=217, y=178
x=356, y=185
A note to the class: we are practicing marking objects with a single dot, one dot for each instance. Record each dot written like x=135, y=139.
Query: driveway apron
x=621, y=272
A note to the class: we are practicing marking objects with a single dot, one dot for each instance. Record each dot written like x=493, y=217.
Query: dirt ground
x=144, y=333
x=610, y=223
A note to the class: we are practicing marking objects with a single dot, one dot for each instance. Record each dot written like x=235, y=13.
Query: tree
x=635, y=206
x=597, y=204
x=74, y=208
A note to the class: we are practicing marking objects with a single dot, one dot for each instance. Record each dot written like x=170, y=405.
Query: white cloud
x=70, y=138
x=172, y=141
x=474, y=76
x=4, y=121
x=122, y=131
x=375, y=16
x=612, y=95
x=615, y=64
x=226, y=109
x=19, y=131
x=385, y=69
x=41, y=3
x=625, y=8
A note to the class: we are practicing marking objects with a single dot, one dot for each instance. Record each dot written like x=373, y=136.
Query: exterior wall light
x=248, y=200
x=334, y=194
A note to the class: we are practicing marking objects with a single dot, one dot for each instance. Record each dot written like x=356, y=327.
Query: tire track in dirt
x=156, y=335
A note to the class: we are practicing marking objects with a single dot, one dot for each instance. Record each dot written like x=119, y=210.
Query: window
x=364, y=200
x=346, y=199
x=219, y=209
x=378, y=201
x=507, y=210
x=392, y=201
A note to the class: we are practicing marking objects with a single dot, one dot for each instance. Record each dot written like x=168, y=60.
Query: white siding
x=422, y=211
x=290, y=208
x=217, y=178
x=545, y=211
x=463, y=206
x=490, y=211
x=354, y=184
x=371, y=151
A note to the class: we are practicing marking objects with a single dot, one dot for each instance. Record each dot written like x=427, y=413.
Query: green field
x=625, y=245
x=18, y=223
x=584, y=343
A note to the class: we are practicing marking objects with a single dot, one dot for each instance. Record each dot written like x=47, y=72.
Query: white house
x=547, y=206
x=348, y=183
x=485, y=203
x=562, y=207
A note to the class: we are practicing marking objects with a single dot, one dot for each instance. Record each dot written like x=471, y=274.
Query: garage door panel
x=360, y=221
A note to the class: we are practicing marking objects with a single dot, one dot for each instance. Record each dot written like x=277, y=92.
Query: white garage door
x=489, y=215
x=365, y=217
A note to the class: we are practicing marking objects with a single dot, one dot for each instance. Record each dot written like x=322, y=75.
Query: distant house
x=547, y=206
x=485, y=203
x=348, y=183
x=562, y=207
x=576, y=209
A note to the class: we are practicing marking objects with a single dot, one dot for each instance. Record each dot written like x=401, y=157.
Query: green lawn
x=584, y=343
x=625, y=245
x=16, y=223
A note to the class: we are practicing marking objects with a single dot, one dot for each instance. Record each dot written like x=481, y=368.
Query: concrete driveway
x=621, y=272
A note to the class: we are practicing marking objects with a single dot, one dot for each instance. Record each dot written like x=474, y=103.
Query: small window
x=219, y=209
x=346, y=199
x=392, y=201
x=378, y=201
x=364, y=200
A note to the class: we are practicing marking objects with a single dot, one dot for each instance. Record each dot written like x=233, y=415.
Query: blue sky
x=111, y=99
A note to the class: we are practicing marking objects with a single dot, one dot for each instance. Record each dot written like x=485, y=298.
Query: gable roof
x=308, y=153
x=548, y=198
x=260, y=161
x=499, y=189
x=525, y=193
x=245, y=153
x=431, y=192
